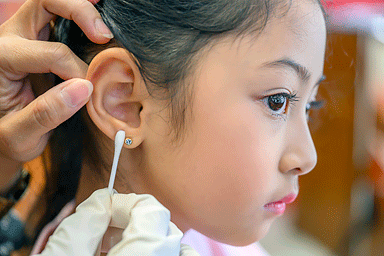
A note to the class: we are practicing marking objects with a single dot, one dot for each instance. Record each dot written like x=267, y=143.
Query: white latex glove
x=148, y=230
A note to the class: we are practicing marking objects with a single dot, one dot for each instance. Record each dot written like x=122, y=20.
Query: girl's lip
x=278, y=207
x=289, y=198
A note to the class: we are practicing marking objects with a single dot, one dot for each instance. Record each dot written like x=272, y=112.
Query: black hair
x=164, y=37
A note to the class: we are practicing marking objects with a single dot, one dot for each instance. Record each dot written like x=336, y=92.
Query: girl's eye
x=278, y=103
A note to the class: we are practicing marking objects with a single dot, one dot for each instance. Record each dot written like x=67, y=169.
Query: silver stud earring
x=128, y=141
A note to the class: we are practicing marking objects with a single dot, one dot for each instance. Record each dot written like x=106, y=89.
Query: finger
x=84, y=14
x=148, y=229
x=54, y=107
x=35, y=14
x=81, y=233
x=30, y=56
x=186, y=250
x=24, y=133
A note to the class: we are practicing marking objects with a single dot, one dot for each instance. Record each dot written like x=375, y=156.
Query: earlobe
x=118, y=96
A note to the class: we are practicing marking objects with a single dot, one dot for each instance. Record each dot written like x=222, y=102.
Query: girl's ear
x=119, y=97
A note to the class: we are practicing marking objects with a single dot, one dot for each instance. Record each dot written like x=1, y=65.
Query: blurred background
x=340, y=209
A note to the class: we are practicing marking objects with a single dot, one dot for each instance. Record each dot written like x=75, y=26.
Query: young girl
x=214, y=96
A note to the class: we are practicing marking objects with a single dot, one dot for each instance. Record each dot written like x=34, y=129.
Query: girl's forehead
x=290, y=34
x=301, y=19
x=293, y=26
x=299, y=36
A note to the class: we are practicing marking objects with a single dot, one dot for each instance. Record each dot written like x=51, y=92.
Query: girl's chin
x=245, y=237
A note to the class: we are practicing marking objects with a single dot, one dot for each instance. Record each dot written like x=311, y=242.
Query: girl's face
x=249, y=140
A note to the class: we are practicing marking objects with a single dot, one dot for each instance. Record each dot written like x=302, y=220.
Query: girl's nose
x=299, y=156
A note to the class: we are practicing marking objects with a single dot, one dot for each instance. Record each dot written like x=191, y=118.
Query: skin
x=25, y=119
x=238, y=154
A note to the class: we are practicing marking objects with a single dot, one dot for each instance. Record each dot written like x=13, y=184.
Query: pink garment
x=202, y=244
x=208, y=247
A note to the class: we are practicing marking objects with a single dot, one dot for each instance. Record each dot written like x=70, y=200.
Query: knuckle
x=40, y=2
x=2, y=28
x=45, y=114
x=37, y=2
x=59, y=52
x=5, y=48
x=83, y=4
x=8, y=141
x=5, y=29
x=5, y=139
x=79, y=7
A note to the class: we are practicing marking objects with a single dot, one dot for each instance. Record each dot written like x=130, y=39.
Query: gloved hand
x=148, y=230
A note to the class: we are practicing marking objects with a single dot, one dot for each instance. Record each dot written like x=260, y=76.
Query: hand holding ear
x=24, y=129
x=24, y=133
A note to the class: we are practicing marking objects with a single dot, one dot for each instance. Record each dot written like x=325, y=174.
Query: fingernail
x=76, y=92
x=102, y=28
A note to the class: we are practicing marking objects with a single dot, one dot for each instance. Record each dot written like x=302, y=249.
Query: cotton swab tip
x=119, y=139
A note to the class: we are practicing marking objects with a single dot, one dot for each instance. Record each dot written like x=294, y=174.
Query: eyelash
x=314, y=105
x=289, y=99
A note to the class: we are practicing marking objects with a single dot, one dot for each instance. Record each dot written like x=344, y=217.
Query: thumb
x=82, y=232
x=24, y=133
x=57, y=105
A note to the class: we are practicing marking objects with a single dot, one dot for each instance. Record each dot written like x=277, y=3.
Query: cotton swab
x=119, y=141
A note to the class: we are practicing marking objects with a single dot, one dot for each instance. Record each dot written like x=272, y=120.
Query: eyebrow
x=301, y=71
